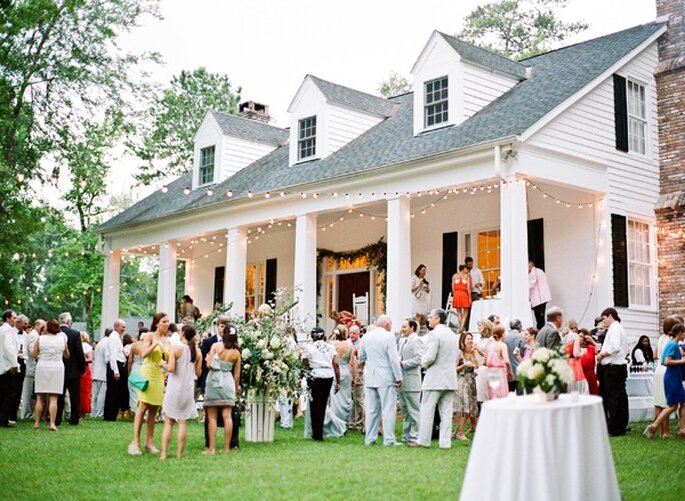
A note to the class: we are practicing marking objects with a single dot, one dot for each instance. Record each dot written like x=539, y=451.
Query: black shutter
x=270, y=280
x=536, y=242
x=449, y=263
x=619, y=253
x=219, y=277
x=621, y=113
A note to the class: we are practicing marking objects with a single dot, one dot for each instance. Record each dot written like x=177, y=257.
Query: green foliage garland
x=376, y=254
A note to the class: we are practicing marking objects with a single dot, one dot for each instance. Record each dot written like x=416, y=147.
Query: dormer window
x=306, y=145
x=206, y=165
x=435, y=102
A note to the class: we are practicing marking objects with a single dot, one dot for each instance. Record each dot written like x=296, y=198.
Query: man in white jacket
x=440, y=382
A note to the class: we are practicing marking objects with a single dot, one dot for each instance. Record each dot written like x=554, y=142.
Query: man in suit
x=382, y=377
x=222, y=322
x=549, y=336
x=440, y=382
x=411, y=351
x=74, y=367
x=356, y=421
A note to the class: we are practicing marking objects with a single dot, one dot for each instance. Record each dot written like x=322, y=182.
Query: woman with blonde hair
x=340, y=403
x=155, y=349
x=573, y=347
x=482, y=347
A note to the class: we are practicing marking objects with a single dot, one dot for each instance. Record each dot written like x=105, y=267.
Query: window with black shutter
x=219, y=278
x=270, y=281
x=620, y=113
x=536, y=243
x=449, y=263
x=619, y=252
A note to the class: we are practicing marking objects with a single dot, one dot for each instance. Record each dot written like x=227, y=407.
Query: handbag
x=138, y=380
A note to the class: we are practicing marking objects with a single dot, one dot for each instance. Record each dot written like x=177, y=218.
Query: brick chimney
x=254, y=111
x=670, y=209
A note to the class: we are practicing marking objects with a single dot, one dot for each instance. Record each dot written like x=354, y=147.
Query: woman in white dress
x=49, y=379
x=420, y=291
x=482, y=347
x=340, y=403
x=183, y=367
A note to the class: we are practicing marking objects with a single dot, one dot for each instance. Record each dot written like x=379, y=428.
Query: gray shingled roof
x=250, y=130
x=556, y=76
x=350, y=98
x=485, y=57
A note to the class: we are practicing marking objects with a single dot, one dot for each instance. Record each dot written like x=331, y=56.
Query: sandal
x=649, y=432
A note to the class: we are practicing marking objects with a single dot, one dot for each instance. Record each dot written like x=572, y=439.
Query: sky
x=267, y=47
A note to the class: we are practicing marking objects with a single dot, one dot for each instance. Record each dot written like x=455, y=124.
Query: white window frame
x=644, y=263
x=443, y=101
x=634, y=118
x=311, y=137
x=203, y=166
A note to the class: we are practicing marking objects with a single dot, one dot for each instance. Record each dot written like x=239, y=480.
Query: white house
x=552, y=158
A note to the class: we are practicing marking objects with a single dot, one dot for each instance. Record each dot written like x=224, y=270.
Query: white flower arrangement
x=270, y=364
x=546, y=369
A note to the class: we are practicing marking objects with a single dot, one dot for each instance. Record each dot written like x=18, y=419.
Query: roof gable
x=557, y=76
x=349, y=98
x=250, y=130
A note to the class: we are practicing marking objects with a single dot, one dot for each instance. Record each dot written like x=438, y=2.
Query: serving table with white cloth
x=483, y=308
x=640, y=391
x=530, y=451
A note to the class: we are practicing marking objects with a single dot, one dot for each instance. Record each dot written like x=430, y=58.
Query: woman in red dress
x=86, y=379
x=588, y=361
x=461, y=294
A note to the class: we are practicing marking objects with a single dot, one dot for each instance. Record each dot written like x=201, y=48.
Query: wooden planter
x=260, y=418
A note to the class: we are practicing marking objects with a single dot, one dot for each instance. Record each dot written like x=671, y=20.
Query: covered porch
x=434, y=218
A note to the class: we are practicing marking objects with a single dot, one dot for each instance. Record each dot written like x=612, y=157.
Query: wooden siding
x=345, y=125
x=586, y=130
x=238, y=154
x=481, y=87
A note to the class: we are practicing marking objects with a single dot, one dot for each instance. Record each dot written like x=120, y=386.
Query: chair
x=451, y=313
x=360, y=305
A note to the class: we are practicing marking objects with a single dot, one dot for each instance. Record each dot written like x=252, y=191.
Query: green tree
x=519, y=28
x=60, y=66
x=395, y=85
x=173, y=120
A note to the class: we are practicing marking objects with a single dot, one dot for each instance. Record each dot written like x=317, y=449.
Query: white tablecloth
x=640, y=390
x=552, y=451
x=483, y=308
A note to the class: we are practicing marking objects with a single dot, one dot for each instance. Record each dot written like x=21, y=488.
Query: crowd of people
x=356, y=378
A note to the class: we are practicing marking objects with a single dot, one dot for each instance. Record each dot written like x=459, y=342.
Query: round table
x=640, y=390
x=525, y=450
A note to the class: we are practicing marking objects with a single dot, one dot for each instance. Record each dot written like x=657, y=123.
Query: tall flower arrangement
x=270, y=357
x=547, y=370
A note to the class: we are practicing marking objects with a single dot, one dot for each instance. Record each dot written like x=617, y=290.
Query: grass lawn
x=90, y=462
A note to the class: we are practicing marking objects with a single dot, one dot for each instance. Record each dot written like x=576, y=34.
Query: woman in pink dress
x=497, y=361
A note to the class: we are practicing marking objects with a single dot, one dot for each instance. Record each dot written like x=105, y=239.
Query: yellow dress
x=154, y=395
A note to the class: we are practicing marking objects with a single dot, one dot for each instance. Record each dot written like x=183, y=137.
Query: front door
x=349, y=284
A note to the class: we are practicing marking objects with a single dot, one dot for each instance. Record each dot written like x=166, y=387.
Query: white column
x=398, y=281
x=514, y=252
x=236, y=265
x=604, y=276
x=110, y=290
x=166, y=279
x=305, y=270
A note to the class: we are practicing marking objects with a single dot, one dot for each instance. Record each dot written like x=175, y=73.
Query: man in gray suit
x=440, y=382
x=382, y=375
x=411, y=351
x=549, y=336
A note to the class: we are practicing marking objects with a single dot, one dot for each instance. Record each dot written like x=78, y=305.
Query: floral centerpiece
x=546, y=372
x=270, y=365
